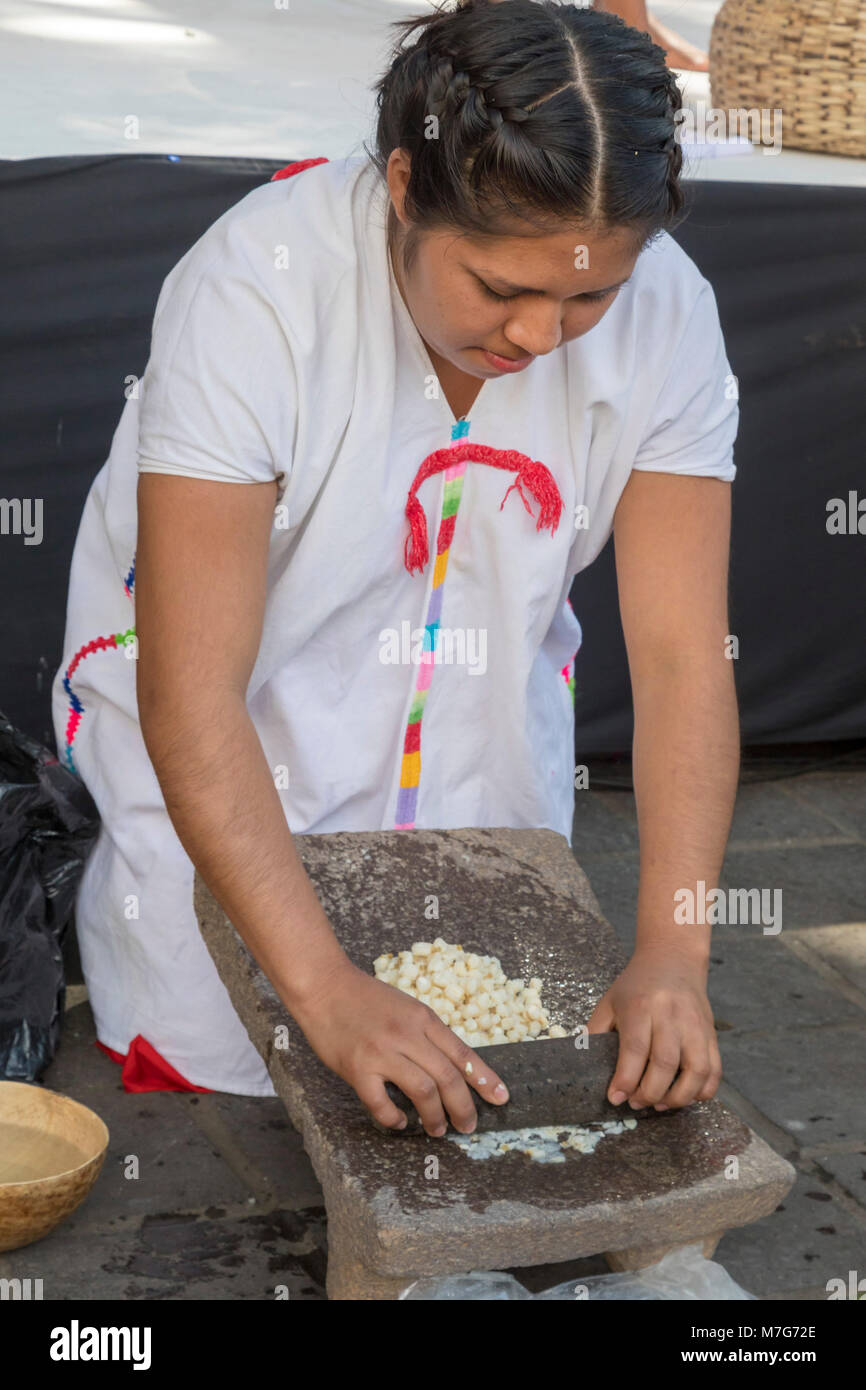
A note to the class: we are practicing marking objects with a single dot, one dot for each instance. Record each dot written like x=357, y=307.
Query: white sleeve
x=218, y=396
x=694, y=422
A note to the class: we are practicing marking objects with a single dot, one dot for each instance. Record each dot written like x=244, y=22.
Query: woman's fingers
x=662, y=1067
x=701, y=1072
x=470, y=1067
x=454, y=1094
x=435, y=1073
x=691, y=1053
x=634, y=1046
x=372, y=1094
x=419, y=1086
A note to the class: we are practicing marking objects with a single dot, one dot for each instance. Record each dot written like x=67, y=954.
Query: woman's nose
x=536, y=333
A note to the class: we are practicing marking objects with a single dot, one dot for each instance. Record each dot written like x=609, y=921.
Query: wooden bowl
x=51, y=1151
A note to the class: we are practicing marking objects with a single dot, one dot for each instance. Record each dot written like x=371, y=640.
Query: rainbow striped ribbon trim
x=410, y=769
x=410, y=766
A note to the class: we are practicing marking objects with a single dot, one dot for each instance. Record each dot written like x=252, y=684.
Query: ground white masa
x=546, y=1144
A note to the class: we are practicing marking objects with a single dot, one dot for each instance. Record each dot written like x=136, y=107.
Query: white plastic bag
x=684, y=1274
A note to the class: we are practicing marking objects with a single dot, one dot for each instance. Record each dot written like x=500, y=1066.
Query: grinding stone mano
x=550, y=1082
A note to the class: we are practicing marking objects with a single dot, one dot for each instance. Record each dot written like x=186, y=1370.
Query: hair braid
x=540, y=111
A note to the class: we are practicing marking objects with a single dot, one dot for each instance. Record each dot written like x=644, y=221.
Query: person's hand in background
x=678, y=51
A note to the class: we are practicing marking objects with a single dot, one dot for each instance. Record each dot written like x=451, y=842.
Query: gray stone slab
x=614, y=881
x=849, y=1170
x=809, y=1081
x=179, y=1170
x=842, y=947
x=767, y=811
x=809, y=1239
x=826, y=884
x=605, y=822
x=521, y=896
x=259, y=1127
x=839, y=796
x=172, y=1257
x=739, y=971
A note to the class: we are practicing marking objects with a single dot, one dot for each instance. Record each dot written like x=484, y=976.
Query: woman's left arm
x=671, y=538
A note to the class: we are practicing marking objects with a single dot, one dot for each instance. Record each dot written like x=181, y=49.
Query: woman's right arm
x=200, y=588
x=200, y=578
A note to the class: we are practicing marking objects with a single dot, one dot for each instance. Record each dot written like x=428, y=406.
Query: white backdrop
x=277, y=79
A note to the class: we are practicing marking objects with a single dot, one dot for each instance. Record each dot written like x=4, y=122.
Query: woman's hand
x=659, y=1007
x=369, y=1033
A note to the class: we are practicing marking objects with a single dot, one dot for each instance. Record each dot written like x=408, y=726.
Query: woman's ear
x=399, y=166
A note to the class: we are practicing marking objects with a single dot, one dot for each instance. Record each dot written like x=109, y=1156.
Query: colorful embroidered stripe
x=568, y=668
x=568, y=677
x=410, y=768
x=96, y=644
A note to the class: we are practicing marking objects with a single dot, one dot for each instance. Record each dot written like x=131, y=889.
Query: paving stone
x=839, y=796
x=766, y=811
x=520, y=895
x=739, y=993
x=260, y=1127
x=843, y=947
x=809, y=1239
x=613, y=879
x=850, y=1171
x=178, y=1167
x=808, y=1081
x=604, y=822
x=820, y=884
x=180, y=1258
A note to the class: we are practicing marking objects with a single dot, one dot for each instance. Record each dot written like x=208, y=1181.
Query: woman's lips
x=506, y=364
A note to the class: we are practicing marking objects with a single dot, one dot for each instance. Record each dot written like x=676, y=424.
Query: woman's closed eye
x=591, y=297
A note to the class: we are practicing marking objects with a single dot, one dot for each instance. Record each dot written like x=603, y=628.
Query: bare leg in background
x=679, y=52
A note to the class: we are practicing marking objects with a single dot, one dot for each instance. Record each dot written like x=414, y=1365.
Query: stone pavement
x=226, y=1204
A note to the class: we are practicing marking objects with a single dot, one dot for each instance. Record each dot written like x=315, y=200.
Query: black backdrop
x=86, y=243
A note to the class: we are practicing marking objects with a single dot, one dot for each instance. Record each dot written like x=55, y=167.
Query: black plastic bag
x=48, y=823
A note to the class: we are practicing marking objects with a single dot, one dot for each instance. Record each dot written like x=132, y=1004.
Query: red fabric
x=446, y=534
x=299, y=164
x=531, y=474
x=145, y=1070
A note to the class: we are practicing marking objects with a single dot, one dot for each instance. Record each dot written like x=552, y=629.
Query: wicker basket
x=807, y=59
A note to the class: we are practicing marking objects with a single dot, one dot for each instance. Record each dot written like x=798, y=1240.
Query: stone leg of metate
x=639, y=1256
x=350, y=1279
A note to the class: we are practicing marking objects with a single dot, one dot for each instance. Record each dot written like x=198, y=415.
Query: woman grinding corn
x=419, y=387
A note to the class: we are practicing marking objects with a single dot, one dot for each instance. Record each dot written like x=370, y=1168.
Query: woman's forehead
x=525, y=261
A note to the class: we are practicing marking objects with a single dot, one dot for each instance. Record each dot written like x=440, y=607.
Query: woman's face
x=516, y=297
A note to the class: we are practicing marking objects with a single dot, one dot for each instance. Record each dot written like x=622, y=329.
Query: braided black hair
x=533, y=110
